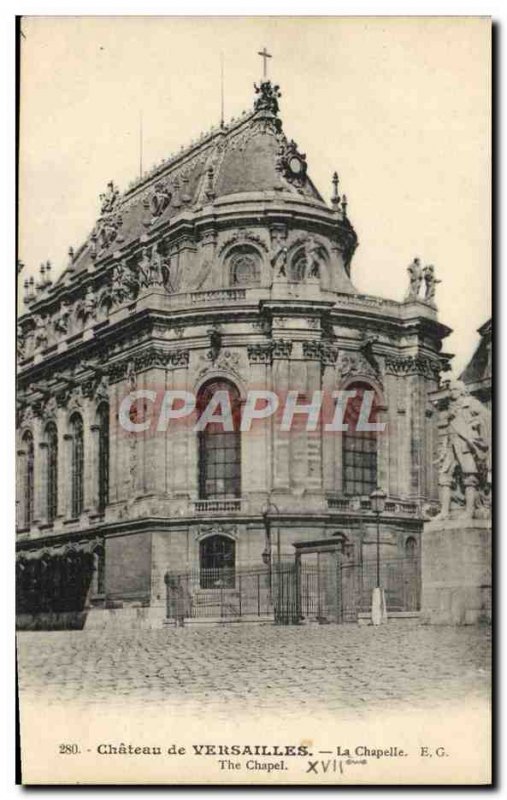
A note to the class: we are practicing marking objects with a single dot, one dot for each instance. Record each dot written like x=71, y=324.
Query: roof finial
x=335, y=199
x=264, y=55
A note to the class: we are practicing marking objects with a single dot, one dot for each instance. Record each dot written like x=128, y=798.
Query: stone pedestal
x=456, y=572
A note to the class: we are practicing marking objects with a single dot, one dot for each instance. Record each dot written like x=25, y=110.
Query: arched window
x=219, y=449
x=28, y=479
x=244, y=266
x=76, y=433
x=411, y=547
x=359, y=446
x=217, y=560
x=103, y=457
x=298, y=267
x=52, y=471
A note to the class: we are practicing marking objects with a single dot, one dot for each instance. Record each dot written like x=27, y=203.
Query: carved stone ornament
x=203, y=531
x=291, y=163
x=75, y=399
x=87, y=309
x=324, y=352
x=160, y=198
x=413, y=365
x=282, y=348
x=109, y=198
x=127, y=369
x=227, y=361
x=260, y=353
x=268, y=96
x=40, y=332
x=242, y=236
x=62, y=321
x=124, y=284
x=354, y=363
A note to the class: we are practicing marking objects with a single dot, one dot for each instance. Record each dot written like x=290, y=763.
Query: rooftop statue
x=415, y=279
x=465, y=457
x=268, y=97
x=108, y=199
x=430, y=282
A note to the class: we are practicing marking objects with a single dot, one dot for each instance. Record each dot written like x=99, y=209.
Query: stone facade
x=222, y=264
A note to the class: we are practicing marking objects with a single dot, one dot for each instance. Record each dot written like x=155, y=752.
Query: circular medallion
x=295, y=165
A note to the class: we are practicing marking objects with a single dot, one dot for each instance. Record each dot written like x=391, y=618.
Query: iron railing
x=324, y=589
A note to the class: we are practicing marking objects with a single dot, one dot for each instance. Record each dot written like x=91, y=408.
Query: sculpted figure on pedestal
x=430, y=282
x=465, y=458
x=415, y=279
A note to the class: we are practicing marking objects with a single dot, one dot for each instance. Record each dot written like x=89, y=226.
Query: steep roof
x=251, y=154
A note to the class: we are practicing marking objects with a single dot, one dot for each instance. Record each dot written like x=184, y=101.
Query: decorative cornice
x=413, y=365
x=146, y=360
x=260, y=353
x=326, y=353
x=281, y=348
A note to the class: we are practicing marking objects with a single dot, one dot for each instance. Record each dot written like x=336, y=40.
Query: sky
x=400, y=107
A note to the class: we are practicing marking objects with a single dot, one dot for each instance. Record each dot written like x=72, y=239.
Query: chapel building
x=222, y=269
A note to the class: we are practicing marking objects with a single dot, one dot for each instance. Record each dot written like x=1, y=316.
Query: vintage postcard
x=253, y=451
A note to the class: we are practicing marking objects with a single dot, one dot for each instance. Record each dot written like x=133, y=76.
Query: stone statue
x=61, y=324
x=155, y=269
x=41, y=333
x=269, y=95
x=124, y=285
x=313, y=259
x=465, y=458
x=144, y=267
x=118, y=289
x=89, y=305
x=108, y=199
x=160, y=199
x=415, y=274
x=430, y=282
x=279, y=262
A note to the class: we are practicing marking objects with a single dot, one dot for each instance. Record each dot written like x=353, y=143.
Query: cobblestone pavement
x=230, y=667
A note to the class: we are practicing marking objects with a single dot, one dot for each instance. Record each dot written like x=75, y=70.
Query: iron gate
x=324, y=590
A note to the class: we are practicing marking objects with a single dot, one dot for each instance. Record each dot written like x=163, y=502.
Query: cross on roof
x=265, y=55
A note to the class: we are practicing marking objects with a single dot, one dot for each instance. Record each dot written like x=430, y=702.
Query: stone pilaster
x=89, y=457
x=63, y=465
x=41, y=502
x=184, y=443
x=256, y=443
x=331, y=440
x=94, y=458
x=38, y=472
x=298, y=435
x=280, y=439
x=155, y=440
x=314, y=438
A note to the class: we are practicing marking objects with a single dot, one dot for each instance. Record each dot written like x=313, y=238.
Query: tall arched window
x=76, y=432
x=103, y=457
x=359, y=446
x=217, y=555
x=52, y=471
x=28, y=479
x=220, y=450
